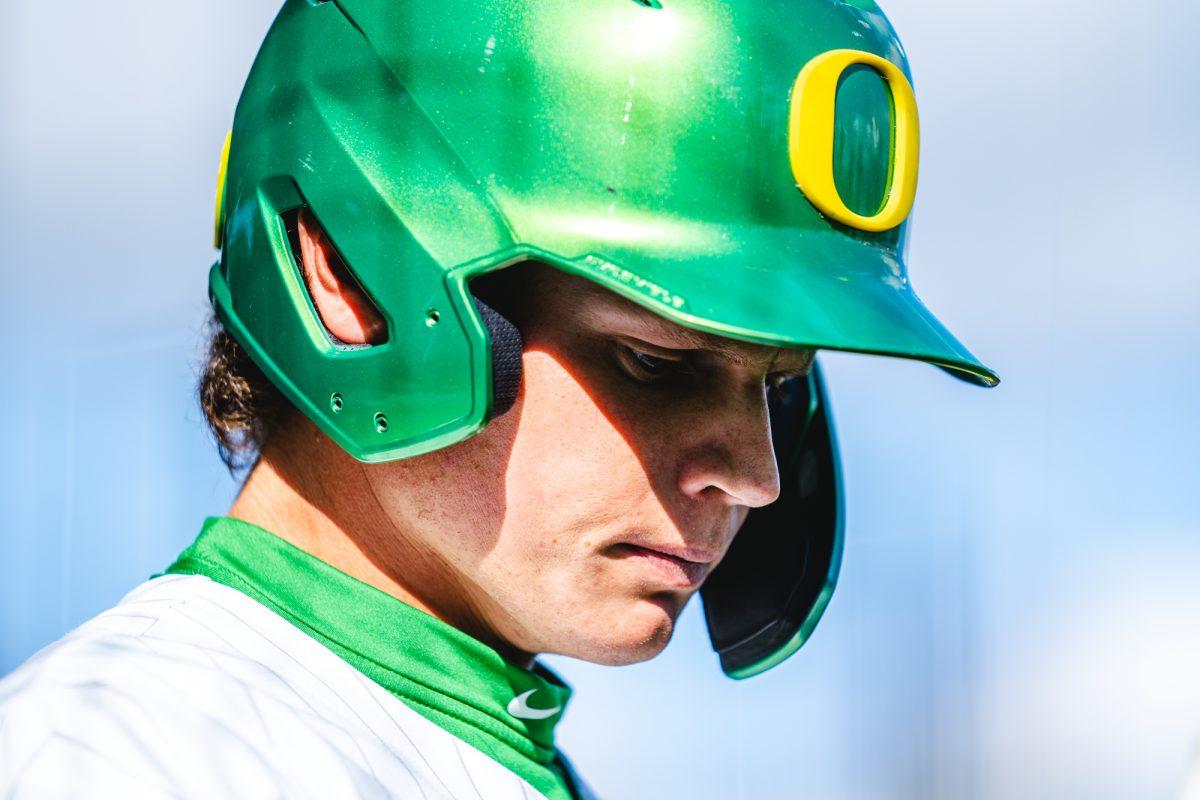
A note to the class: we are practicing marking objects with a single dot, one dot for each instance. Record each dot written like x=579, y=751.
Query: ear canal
x=506, y=357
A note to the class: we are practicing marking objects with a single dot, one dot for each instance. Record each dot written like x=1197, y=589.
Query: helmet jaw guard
x=764, y=599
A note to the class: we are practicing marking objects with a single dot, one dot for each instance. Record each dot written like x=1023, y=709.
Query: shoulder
x=155, y=694
x=175, y=642
x=189, y=683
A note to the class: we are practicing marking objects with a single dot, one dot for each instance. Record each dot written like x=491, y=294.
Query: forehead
x=598, y=307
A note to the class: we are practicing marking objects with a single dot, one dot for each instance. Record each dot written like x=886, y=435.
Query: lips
x=671, y=569
x=695, y=555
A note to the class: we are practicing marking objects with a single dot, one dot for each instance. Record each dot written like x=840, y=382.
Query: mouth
x=673, y=570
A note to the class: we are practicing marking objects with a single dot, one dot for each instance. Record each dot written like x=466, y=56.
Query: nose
x=733, y=457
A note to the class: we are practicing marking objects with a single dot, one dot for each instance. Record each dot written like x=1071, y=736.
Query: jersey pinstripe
x=189, y=688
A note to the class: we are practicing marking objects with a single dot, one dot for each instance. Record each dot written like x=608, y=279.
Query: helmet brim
x=776, y=286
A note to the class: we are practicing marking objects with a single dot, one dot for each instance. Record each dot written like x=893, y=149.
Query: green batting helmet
x=744, y=169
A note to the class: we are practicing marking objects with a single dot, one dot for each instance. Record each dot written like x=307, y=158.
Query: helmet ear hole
x=366, y=307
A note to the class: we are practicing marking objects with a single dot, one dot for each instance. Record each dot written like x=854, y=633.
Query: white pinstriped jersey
x=191, y=689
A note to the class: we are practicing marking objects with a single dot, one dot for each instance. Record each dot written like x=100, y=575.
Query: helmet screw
x=335, y=403
x=381, y=423
x=432, y=317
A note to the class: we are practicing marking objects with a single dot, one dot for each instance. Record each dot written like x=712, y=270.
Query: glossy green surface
x=644, y=148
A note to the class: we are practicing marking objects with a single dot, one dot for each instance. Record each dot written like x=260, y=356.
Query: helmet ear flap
x=506, y=356
x=764, y=599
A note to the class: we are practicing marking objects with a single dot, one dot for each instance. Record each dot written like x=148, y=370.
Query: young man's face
x=538, y=521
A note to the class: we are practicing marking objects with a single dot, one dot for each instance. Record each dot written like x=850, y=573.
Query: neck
x=340, y=521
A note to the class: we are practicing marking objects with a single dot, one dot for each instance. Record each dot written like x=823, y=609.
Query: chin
x=641, y=633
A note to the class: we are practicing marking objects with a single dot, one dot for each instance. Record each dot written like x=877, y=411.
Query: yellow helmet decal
x=219, y=215
x=811, y=131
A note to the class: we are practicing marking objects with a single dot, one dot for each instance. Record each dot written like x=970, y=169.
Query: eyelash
x=667, y=366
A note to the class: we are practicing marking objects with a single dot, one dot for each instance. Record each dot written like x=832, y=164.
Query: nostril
x=730, y=476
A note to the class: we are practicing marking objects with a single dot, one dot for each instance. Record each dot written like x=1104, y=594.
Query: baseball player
x=518, y=307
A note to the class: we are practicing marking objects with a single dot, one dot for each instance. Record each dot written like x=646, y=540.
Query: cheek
x=572, y=486
x=532, y=492
x=568, y=460
x=451, y=502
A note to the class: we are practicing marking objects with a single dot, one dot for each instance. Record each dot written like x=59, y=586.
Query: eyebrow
x=687, y=338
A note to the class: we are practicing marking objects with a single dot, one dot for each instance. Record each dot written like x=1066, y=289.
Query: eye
x=647, y=366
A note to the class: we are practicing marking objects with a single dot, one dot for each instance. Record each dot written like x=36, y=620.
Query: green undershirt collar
x=453, y=679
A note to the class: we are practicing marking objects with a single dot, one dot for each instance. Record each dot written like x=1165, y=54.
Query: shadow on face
x=691, y=405
x=629, y=433
x=631, y=430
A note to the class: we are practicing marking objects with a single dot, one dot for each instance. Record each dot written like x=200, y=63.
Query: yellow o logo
x=810, y=138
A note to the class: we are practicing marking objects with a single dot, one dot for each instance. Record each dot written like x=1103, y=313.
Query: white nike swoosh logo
x=519, y=707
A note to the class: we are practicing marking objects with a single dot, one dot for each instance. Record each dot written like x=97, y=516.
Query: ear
x=345, y=311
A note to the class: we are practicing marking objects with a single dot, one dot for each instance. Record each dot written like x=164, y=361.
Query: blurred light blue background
x=1019, y=611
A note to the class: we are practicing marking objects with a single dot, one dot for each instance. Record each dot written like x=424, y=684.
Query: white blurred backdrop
x=1019, y=610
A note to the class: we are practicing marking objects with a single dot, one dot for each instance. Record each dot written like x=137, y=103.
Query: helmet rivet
x=432, y=317
x=335, y=403
x=381, y=423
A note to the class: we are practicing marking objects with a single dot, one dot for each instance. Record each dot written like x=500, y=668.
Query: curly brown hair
x=240, y=404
